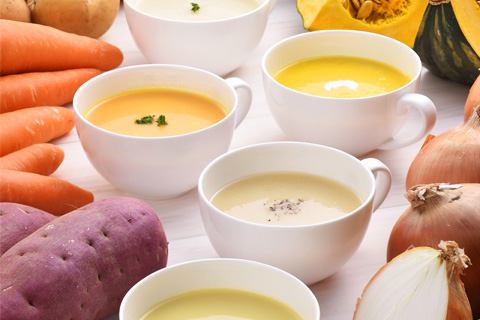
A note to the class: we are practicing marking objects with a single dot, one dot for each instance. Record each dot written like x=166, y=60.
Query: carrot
x=50, y=88
x=40, y=158
x=27, y=47
x=22, y=128
x=50, y=194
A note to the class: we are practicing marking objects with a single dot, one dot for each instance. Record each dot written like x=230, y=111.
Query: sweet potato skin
x=18, y=221
x=80, y=265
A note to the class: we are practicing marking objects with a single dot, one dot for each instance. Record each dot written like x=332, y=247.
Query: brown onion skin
x=458, y=220
x=453, y=156
x=473, y=99
x=459, y=307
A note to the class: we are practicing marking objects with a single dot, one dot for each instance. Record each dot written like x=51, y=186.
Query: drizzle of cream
x=352, y=85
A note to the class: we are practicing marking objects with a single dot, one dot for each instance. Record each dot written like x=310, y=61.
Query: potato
x=91, y=18
x=18, y=221
x=14, y=10
x=80, y=265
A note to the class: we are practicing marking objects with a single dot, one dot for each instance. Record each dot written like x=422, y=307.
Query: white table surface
x=336, y=295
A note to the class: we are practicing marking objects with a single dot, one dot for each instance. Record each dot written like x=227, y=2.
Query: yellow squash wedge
x=398, y=19
x=467, y=13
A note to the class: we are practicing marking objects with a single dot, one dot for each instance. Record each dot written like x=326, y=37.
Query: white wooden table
x=337, y=295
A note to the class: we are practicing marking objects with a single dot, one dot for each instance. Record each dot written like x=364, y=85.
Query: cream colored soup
x=156, y=113
x=341, y=77
x=286, y=198
x=220, y=304
x=196, y=10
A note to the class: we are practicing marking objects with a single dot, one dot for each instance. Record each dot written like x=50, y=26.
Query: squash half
x=448, y=40
x=398, y=19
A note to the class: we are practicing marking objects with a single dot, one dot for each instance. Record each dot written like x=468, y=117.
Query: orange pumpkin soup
x=158, y=112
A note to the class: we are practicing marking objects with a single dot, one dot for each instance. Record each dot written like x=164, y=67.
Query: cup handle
x=244, y=93
x=428, y=111
x=383, y=180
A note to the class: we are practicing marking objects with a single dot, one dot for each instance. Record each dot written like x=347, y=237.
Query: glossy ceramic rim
x=283, y=143
x=259, y=8
x=238, y=261
x=351, y=32
x=120, y=71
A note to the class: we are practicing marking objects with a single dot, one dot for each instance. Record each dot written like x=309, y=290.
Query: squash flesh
x=468, y=17
x=398, y=19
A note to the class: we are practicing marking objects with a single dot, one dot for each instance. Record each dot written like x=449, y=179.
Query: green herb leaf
x=145, y=120
x=195, y=6
x=161, y=120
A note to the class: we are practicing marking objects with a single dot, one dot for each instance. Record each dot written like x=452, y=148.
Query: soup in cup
x=288, y=237
x=137, y=139
x=224, y=287
x=210, y=35
x=347, y=89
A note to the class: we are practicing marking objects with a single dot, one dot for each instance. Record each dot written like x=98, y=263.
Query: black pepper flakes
x=284, y=207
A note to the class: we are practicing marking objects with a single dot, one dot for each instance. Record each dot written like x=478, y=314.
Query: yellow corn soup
x=341, y=77
x=286, y=199
x=156, y=112
x=198, y=10
x=220, y=304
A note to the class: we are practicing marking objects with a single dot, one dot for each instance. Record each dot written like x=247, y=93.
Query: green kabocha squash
x=398, y=19
x=448, y=40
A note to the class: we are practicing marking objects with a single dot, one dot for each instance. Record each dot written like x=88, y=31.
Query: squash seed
x=365, y=10
x=345, y=4
x=356, y=4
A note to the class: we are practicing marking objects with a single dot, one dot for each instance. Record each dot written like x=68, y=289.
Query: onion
x=452, y=157
x=473, y=99
x=421, y=283
x=442, y=211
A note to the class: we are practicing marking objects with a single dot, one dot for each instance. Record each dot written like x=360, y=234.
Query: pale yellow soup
x=286, y=199
x=220, y=304
x=341, y=77
x=205, y=10
x=183, y=112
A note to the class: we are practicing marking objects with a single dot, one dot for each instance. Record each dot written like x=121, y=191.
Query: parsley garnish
x=149, y=120
x=145, y=120
x=161, y=120
x=195, y=6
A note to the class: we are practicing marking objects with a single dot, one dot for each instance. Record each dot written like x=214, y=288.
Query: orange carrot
x=40, y=158
x=50, y=88
x=22, y=128
x=46, y=193
x=27, y=47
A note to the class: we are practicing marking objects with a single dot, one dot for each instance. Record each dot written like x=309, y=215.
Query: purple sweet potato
x=80, y=265
x=18, y=221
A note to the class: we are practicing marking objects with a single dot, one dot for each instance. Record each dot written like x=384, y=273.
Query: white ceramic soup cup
x=355, y=125
x=219, y=273
x=309, y=252
x=219, y=46
x=158, y=167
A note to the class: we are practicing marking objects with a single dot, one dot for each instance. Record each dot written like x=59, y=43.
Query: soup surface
x=341, y=77
x=156, y=113
x=197, y=10
x=286, y=198
x=220, y=304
